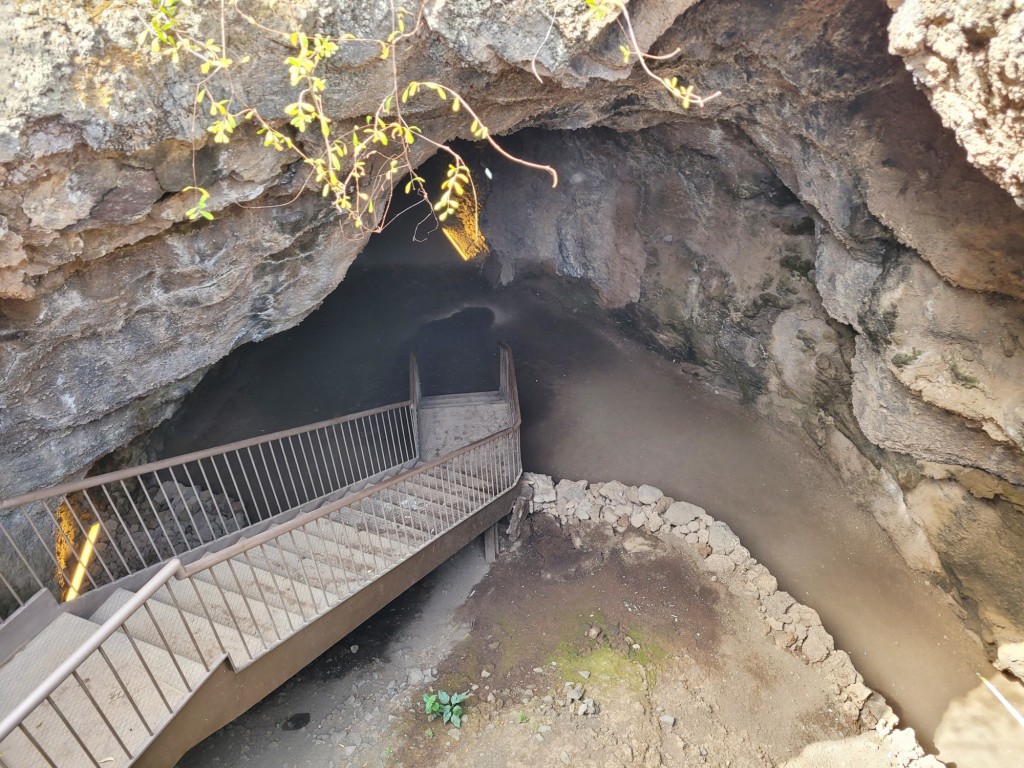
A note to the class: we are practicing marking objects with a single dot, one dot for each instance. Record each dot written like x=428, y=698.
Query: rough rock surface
x=814, y=238
x=969, y=56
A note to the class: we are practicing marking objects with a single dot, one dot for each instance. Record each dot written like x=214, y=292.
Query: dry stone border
x=794, y=627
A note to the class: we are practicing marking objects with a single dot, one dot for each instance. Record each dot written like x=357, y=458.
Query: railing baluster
x=323, y=531
x=202, y=506
x=127, y=693
x=145, y=666
x=288, y=467
x=142, y=523
x=167, y=645
x=316, y=464
x=345, y=468
x=72, y=731
x=10, y=589
x=277, y=587
x=358, y=445
x=259, y=482
x=188, y=629
x=329, y=463
x=83, y=565
x=29, y=568
x=188, y=510
x=102, y=714
x=49, y=549
x=248, y=605
x=103, y=527
x=209, y=618
x=39, y=749
x=263, y=597
x=305, y=573
x=293, y=582
x=252, y=495
x=172, y=513
x=124, y=527
x=238, y=489
x=270, y=480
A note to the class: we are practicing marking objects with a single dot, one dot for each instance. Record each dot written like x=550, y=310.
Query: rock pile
x=794, y=627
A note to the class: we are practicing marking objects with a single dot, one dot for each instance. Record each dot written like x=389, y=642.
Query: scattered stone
x=484, y=673
x=719, y=564
x=667, y=720
x=648, y=494
x=777, y=604
x=818, y=645
x=415, y=677
x=564, y=758
x=1010, y=658
x=722, y=540
x=543, y=488
x=354, y=649
x=583, y=673
x=654, y=524
x=614, y=491
x=682, y=513
x=594, y=632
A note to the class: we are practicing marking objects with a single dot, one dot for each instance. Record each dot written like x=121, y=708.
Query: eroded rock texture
x=968, y=56
x=814, y=238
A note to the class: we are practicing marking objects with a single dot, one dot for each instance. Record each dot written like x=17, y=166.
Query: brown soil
x=681, y=672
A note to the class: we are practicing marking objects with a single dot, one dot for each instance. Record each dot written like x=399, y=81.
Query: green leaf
x=456, y=720
x=444, y=697
x=447, y=715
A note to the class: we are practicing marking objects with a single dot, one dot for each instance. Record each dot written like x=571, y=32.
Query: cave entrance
x=716, y=248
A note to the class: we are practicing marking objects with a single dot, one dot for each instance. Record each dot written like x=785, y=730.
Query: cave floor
x=599, y=406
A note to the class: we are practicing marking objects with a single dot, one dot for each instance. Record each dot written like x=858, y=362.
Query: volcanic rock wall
x=815, y=237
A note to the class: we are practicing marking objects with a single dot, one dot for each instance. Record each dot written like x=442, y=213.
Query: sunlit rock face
x=814, y=239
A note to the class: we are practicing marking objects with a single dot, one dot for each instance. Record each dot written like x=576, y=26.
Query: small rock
x=583, y=673
x=594, y=632
x=354, y=649
x=722, y=540
x=654, y=524
x=564, y=758
x=648, y=494
x=667, y=720
x=484, y=673
x=415, y=677
x=682, y=513
x=719, y=564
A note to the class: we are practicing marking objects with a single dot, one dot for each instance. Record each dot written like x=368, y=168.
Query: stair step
x=415, y=526
x=444, y=477
x=330, y=582
x=48, y=649
x=459, y=399
x=176, y=628
x=297, y=599
x=344, y=528
x=340, y=568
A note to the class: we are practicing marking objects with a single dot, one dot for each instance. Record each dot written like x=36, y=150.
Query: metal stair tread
x=297, y=598
x=324, y=556
x=205, y=632
x=457, y=399
x=329, y=581
x=107, y=690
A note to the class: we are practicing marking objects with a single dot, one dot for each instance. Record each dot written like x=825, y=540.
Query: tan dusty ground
x=682, y=671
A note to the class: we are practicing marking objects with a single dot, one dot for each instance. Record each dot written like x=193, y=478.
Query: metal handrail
x=497, y=467
x=155, y=466
x=84, y=651
x=250, y=542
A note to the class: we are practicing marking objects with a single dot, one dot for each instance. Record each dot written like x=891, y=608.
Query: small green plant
x=903, y=359
x=429, y=733
x=447, y=705
x=963, y=377
x=523, y=718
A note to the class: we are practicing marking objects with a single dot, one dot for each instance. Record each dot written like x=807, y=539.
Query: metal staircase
x=151, y=606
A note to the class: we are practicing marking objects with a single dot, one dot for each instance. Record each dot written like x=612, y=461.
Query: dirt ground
x=578, y=647
x=680, y=670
